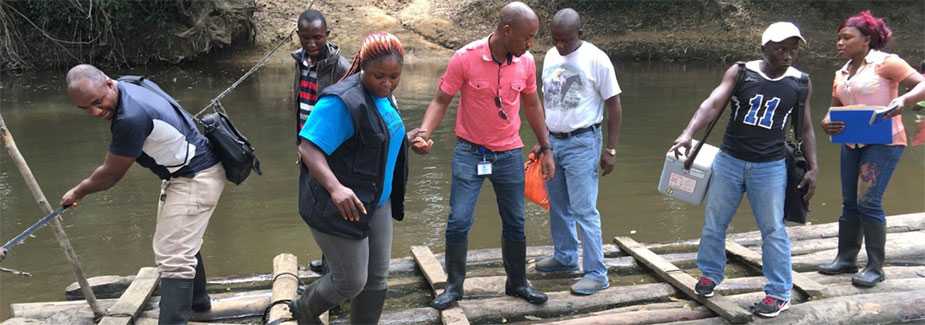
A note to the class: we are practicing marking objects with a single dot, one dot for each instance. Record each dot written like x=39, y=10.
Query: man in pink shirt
x=493, y=74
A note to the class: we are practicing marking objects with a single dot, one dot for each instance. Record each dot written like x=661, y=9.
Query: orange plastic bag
x=534, y=185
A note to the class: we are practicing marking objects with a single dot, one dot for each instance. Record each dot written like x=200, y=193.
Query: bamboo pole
x=285, y=285
x=39, y=196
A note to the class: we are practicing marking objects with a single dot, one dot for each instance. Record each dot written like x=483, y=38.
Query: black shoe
x=849, y=244
x=875, y=245
x=455, y=260
x=307, y=308
x=366, y=307
x=176, y=301
x=514, y=254
x=704, y=287
x=201, y=301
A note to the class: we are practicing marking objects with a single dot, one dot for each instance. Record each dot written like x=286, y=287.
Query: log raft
x=638, y=294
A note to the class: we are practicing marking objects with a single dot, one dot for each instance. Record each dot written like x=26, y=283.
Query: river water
x=112, y=230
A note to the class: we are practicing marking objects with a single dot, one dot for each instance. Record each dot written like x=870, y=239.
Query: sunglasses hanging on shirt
x=498, y=102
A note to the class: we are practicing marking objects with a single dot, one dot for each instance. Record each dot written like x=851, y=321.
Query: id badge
x=484, y=168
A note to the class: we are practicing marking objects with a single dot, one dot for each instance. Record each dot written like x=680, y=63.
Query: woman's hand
x=833, y=127
x=896, y=106
x=420, y=141
x=349, y=205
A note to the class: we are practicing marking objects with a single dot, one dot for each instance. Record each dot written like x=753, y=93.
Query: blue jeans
x=765, y=184
x=507, y=178
x=865, y=173
x=573, y=202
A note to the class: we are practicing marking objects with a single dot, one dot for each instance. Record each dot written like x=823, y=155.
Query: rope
x=296, y=276
x=260, y=64
x=266, y=312
x=215, y=102
x=288, y=302
x=130, y=316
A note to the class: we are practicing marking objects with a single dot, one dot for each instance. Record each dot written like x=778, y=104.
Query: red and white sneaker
x=771, y=307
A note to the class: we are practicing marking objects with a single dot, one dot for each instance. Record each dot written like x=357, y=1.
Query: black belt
x=475, y=147
x=563, y=135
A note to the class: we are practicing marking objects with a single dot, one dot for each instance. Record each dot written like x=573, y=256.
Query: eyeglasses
x=498, y=102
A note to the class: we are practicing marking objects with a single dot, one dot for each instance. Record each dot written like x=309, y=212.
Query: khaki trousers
x=184, y=208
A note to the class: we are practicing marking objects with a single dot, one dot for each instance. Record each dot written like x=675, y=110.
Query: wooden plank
x=134, y=298
x=753, y=259
x=429, y=265
x=726, y=308
x=285, y=287
x=436, y=277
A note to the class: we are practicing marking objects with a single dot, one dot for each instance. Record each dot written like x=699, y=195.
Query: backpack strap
x=145, y=83
x=740, y=78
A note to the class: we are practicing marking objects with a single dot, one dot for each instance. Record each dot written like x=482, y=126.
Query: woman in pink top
x=871, y=77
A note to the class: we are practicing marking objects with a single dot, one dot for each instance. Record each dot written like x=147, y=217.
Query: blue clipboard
x=863, y=124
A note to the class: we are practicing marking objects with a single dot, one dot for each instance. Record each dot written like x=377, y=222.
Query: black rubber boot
x=201, y=301
x=307, y=307
x=319, y=266
x=875, y=245
x=514, y=254
x=849, y=244
x=455, y=261
x=176, y=301
x=366, y=308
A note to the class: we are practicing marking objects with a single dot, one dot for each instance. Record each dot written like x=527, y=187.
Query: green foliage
x=86, y=30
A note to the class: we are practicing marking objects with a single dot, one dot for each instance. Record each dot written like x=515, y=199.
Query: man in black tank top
x=751, y=161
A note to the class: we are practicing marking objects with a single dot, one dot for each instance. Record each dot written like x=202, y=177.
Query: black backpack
x=231, y=146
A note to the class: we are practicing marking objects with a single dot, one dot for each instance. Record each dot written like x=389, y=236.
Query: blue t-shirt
x=148, y=128
x=330, y=125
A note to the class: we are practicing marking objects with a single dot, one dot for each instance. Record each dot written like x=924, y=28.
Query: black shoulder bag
x=795, y=209
x=230, y=145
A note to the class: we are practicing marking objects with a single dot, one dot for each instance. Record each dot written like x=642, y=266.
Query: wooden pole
x=39, y=196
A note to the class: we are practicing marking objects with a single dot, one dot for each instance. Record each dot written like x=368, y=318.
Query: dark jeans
x=507, y=178
x=865, y=173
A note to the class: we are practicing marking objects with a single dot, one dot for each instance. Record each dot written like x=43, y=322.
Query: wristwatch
x=611, y=151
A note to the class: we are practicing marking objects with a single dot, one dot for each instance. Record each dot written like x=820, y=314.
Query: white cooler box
x=688, y=185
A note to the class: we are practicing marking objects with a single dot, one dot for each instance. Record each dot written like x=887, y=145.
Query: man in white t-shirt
x=578, y=83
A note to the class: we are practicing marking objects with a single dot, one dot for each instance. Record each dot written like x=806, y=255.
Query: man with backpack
x=752, y=160
x=150, y=129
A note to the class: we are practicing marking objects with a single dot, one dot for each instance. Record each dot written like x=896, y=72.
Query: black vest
x=760, y=108
x=359, y=164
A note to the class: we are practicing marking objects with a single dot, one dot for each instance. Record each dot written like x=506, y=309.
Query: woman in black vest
x=355, y=149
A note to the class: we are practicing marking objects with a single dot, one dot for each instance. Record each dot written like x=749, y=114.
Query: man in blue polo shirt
x=147, y=129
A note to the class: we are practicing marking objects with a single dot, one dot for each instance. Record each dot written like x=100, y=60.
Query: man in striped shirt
x=318, y=64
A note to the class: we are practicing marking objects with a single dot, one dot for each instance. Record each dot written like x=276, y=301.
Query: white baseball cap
x=779, y=31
